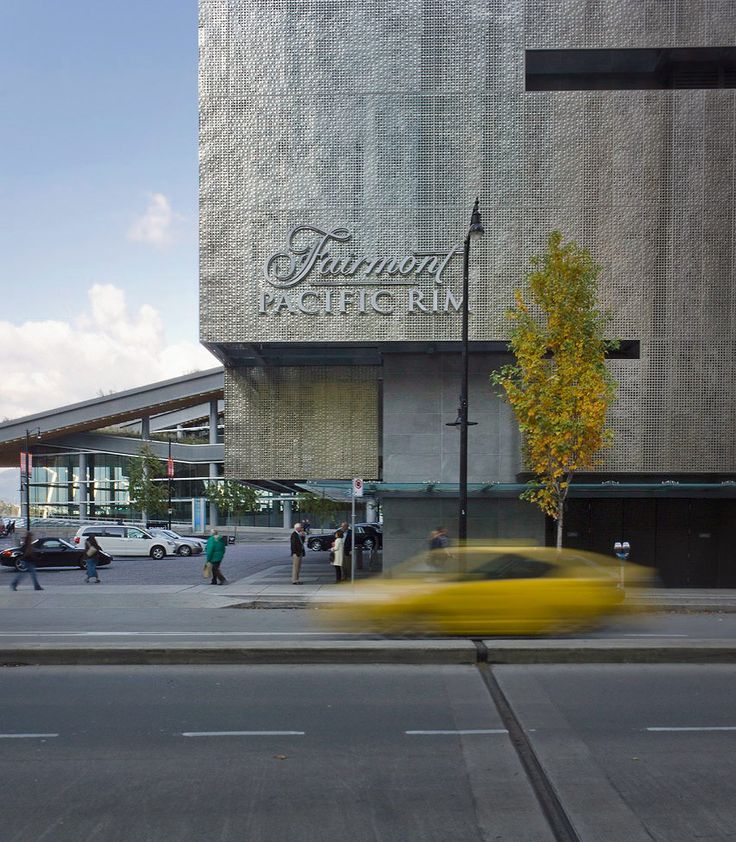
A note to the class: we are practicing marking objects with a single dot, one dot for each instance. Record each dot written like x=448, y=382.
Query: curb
x=446, y=652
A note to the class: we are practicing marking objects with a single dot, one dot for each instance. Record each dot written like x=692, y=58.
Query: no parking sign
x=357, y=488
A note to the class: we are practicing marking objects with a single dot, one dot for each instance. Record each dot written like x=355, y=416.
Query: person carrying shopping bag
x=216, y=545
x=91, y=550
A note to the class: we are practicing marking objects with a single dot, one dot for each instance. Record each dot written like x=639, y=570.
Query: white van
x=126, y=540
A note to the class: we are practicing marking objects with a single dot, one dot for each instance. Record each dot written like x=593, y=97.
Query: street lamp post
x=27, y=472
x=474, y=232
x=170, y=473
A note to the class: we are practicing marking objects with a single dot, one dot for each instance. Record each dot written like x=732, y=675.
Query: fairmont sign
x=338, y=281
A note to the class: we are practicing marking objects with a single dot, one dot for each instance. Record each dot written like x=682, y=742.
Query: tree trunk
x=560, y=521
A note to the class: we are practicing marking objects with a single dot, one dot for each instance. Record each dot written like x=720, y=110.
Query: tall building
x=342, y=145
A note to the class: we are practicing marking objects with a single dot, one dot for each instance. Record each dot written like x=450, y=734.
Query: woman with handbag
x=91, y=549
x=337, y=556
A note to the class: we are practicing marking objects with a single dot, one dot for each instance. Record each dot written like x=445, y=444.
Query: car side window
x=511, y=567
x=135, y=533
x=51, y=544
x=114, y=532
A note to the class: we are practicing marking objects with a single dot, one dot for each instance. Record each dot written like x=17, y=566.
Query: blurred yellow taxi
x=488, y=590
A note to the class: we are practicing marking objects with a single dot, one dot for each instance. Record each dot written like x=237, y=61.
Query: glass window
x=114, y=531
x=134, y=533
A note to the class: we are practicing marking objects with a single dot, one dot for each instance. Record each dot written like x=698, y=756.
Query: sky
x=98, y=198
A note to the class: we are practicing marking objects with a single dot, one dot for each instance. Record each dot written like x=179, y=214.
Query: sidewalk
x=272, y=587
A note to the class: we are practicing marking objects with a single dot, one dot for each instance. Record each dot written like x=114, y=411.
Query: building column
x=83, y=486
x=371, y=515
x=146, y=428
x=214, y=468
x=287, y=514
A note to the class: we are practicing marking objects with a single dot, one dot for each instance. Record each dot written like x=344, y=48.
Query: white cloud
x=156, y=226
x=52, y=363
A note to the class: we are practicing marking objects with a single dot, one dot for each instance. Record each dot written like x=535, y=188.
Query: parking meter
x=622, y=550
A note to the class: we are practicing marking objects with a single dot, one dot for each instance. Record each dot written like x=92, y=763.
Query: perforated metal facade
x=388, y=118
x=302, y=423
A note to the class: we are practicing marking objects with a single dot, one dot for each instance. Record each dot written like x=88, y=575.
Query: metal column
x=214, y=470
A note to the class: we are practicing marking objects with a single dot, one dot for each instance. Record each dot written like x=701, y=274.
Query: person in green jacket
x=216, y=546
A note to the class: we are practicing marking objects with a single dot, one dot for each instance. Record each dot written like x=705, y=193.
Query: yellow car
x=489, y=590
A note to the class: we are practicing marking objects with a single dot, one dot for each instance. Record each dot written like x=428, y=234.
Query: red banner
x=170, y=467
x=26, y=463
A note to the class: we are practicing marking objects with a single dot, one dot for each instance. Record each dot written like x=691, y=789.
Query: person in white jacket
x=338, y=554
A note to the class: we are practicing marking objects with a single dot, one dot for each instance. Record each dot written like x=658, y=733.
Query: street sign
x=170, y=467
x=26, y=463
x=357, y=488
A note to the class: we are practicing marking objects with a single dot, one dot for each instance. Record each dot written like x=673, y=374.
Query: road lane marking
x=655, y=635
x=26, y=736
x=696, y=728
x=243, y=733
x=460, y=731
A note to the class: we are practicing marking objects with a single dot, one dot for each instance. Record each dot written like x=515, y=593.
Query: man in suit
x=297, y=553
x=347, y=563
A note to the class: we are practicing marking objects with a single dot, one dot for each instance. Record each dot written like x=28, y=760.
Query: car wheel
x=157, y=553
x=368, y=544
x=20, y=564
x=185, y=549
x=315, y=545
x=82, y=563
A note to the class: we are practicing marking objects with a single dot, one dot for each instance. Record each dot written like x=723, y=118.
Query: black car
x=366, y=536
x=52, y=552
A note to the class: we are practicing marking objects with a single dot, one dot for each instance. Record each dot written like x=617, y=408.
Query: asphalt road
x=104, y=623
x=372, y=753
x=242, y=559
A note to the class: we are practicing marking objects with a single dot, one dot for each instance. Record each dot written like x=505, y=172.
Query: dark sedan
x=365, y=536
x=51, y=552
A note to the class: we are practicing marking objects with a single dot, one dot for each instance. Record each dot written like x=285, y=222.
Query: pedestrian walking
x=28, y=554
x=338, y=554
x=438, y=544
x=347, y=562
x=216, y=546
x=91, y=551
x=297, y=553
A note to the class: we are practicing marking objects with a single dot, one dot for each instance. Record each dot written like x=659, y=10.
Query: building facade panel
x=307, y=422
x=387, y=119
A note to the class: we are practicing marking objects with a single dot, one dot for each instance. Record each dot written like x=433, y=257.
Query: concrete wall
x=420, y=395
x=407, y=522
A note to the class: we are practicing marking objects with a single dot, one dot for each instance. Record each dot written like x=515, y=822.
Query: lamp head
x=476, y=226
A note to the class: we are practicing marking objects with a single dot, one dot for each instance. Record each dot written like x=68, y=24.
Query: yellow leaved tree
x=558, y=386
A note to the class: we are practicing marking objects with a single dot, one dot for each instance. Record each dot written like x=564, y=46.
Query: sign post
x=357, y=491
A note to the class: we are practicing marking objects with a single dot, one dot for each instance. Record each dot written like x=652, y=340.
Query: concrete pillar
x=371, y=513
x=214, y=468
x=83, y=486
x=287, y=514
x=146, y=428
x=213, y=422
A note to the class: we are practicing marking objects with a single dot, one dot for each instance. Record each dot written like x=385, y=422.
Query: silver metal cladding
x=336, y=134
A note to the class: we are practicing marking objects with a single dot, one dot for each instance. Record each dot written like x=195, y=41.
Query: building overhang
x=108, y=410
x=257, y=355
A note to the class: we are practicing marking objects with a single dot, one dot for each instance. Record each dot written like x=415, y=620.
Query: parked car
x=51, y=552
x=127, y=541
x=183, y=544
x=366, y=536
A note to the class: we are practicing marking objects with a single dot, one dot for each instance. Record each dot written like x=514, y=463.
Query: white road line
x=461, y=731
x=26, y=736
x=697, y=728
x=243, y=733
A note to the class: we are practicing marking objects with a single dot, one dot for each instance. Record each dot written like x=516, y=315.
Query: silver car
x=183, y=545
